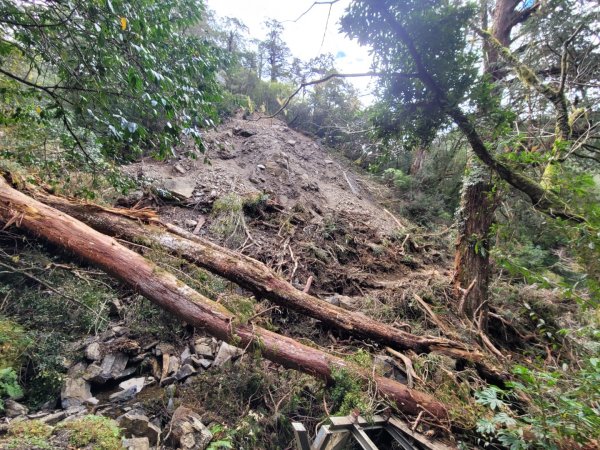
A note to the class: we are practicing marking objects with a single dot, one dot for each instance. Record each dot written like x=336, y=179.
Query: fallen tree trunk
x=259, y=279
x=168, y=292
x=251, y=275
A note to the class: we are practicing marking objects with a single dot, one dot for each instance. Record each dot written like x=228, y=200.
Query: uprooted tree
x=166, y=291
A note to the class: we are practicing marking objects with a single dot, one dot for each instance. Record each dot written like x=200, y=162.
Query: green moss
x=348, y=393
x=100, y=433
x=29, y=434
x=13, y=343
x=242, y=307
x=361, y=358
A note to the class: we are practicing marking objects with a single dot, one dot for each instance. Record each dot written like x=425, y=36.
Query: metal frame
x=336, y=435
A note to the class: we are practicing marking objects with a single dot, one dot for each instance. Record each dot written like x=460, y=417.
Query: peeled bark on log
x=254, y=276
x=166, y=291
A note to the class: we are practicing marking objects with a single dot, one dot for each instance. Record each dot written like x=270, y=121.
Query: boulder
x=136, y=444
x=187, y=430
x=14, y=409
x=113, y=365
x=75, y=389
x=186, y=371
x=135, y=424
x=226, y=354
x=92, y=352
x=181, y=187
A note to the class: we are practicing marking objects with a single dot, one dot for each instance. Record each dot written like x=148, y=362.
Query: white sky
x=305, y=36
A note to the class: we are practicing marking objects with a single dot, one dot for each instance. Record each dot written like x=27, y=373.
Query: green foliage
x=13, y=343
x=348, y=393
x=100, y=433
x=562, y=412
x=397, y=178
x=224, y=439
x=9, y=385
x=121, y=75
x=394, y=29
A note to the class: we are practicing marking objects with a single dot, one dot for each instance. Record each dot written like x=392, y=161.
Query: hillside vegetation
x=205, y=238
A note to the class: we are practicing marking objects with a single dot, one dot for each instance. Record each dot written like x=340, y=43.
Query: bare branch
x=316, y=3
x=329, y=77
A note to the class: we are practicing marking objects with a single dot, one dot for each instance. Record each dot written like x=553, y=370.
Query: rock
x=187, y=430
x=93, y=374
x=137, y=383
x=185, y=355
x=136, y=444
x=75, y=390
x=344, y=302
x=186, y=371
x=167, y=381
x=180, y=187
x=328, y=161
x=133, y=423
x=14, y=409
x=260, y=167
x=226, y=354
x=204, y=363
x=74, y=412
x=243, y=132
x=92, y=401
x=273, y=168
x=120, y=330
x=179, y=168
x=190, y=223
x=291, y=142
x=123, y=396
x=174, y=365
x=113, y=365
x=203, y=348
x=92, y=352
x=153, y=433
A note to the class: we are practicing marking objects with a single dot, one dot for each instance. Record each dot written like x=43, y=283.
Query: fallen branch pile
x=259, y=279
x=165, y=290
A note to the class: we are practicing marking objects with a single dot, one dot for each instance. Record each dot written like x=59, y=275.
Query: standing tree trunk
x=471, y=261
x=478, y=201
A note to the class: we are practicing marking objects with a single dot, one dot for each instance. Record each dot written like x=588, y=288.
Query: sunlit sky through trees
x=309, y=36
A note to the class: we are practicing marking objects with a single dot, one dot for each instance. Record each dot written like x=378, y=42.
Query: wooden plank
x=420, y=438
x=330, y=440
x=346, y=422
x=302, y=442
x=363, y=440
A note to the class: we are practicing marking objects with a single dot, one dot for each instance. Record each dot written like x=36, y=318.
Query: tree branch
x=542, y=199
x=316, y=3
x=329, y=77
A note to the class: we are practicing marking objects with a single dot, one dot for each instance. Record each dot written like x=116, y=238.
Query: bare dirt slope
x=311, y=213
x=247, y=157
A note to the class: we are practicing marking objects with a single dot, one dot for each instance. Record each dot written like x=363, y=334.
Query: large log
x=253, y=276
x=165, y=290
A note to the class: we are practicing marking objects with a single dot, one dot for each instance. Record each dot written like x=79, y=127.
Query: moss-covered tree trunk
x=478, y=200
x=471, y=260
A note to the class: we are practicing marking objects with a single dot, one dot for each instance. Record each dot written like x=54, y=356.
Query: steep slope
x=283, y=198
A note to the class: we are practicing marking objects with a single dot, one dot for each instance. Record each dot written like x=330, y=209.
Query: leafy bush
x=9, y=385
x=563, y=410
x=397, y=178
